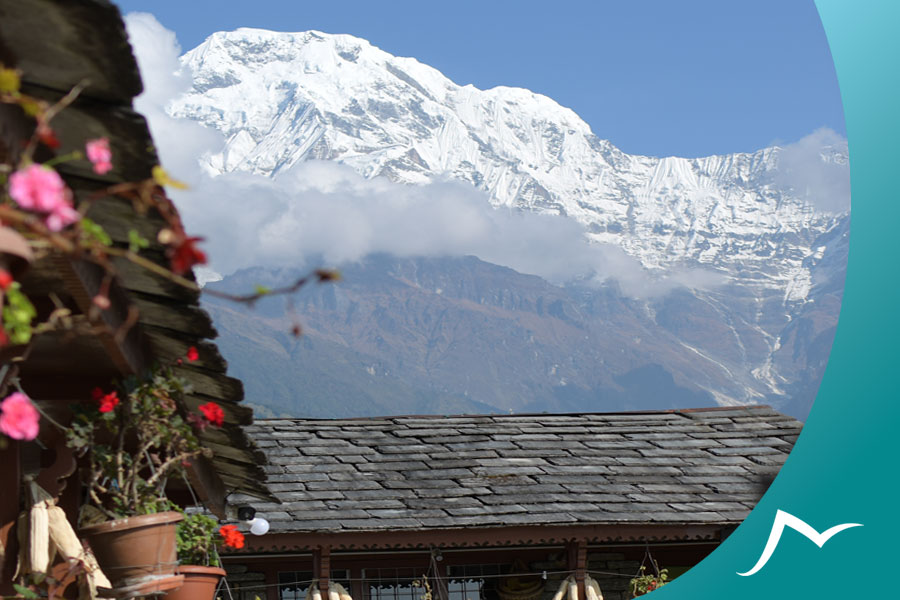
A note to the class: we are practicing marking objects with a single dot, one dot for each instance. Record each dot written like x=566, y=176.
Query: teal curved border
x=843, y=468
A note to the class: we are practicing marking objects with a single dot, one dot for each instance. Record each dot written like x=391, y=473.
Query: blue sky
x=660, y=77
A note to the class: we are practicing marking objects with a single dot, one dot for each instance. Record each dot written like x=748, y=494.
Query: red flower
x=231, y=536
x=5, y=279
x=109, y=401
x=185, y=255
x=213, y=413
x=47, y=137
x=192, y=354
x=96, y=394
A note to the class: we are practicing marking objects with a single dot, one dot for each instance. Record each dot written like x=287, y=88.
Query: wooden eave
x=58, y=44
x=485, y=537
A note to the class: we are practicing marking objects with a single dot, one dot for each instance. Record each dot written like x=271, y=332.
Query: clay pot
x=137, y=553
x=15, y=253
x=200, y=583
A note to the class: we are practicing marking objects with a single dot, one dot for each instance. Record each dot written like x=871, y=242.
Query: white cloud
x=815, y=167
x=327, y=209
x=179, y=142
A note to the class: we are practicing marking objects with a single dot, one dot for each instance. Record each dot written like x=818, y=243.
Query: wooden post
x=577, y=555
x=273, y=592
x=10, y=483
x=440, y=590
x=357, y=585
x=322, y=568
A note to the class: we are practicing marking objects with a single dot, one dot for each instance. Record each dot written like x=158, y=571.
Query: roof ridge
x=519, y=415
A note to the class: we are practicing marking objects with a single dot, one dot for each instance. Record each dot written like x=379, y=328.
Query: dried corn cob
x=23, y=525
x=39, y=538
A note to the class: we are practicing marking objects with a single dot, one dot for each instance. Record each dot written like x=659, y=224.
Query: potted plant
x=646, y=583
x=198, y=535
x=132, y=446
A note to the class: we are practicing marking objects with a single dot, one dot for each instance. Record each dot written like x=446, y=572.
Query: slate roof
x=703, y=466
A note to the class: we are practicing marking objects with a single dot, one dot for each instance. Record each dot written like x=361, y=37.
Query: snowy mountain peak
x=283, y=98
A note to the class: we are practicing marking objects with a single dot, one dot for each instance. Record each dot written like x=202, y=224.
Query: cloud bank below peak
x=325, y=209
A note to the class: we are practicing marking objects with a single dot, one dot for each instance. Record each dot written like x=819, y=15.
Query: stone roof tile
x=704, y=466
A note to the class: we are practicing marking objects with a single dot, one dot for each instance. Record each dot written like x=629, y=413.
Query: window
x=394, y=584
x=474, y=582
x=293, y=585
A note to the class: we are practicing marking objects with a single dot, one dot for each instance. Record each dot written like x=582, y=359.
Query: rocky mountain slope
x=281, y=99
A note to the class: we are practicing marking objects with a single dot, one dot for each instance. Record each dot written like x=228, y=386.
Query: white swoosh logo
x=782, y=520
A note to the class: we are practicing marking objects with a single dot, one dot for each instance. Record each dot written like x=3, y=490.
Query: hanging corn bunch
x=44, y=532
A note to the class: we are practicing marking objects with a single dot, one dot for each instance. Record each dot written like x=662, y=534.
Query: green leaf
x=136, y=243
x=263, y=290
x=25, y=592
x=9, y=81
x=18, y=315
x=95, y=232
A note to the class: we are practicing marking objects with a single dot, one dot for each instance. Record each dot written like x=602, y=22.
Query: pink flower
x=18, y=417
x=61, y=216
x=100, y=155
x=42, y=190
x=37, y=188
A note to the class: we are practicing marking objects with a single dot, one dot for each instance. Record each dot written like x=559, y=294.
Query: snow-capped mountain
x=283, y=98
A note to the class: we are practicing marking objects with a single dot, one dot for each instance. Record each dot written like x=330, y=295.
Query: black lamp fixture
x=258, y=525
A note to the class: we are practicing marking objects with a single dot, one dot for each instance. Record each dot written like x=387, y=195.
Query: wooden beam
x=57, y=46
x=83, y=280
x=485, y=537
x=208, y=485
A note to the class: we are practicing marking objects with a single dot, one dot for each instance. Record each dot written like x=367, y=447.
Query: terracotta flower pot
x=137, y=553
x=200, y=583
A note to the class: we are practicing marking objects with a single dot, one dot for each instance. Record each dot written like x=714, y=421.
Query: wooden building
x=57, y=45
x=484, y=506
x=504, y=501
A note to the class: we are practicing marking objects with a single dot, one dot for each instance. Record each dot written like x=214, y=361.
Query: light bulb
x=258, y=526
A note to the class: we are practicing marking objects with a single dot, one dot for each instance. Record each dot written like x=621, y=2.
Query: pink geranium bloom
x=61, y=216
x=100, y=155
x=42, y=190
x=19, y=419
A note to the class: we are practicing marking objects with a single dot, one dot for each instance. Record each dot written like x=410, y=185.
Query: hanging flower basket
x=197, y=537
x=200, y=583
x=137, y=553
